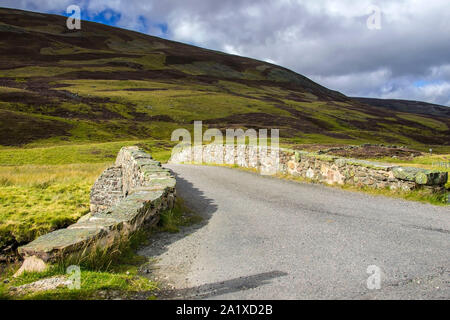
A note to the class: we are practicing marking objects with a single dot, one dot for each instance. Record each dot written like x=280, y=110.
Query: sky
x=396, y=49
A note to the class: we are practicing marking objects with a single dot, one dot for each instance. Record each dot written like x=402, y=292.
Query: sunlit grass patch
x=12, y=90
x=98, y=285
x=35, y=199
x=79, y=153
x=35, y=71
x=426, y=121
x=182, y=101
x=420, y=195
x=47, y=188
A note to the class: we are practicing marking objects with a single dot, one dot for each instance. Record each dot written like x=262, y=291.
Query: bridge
x=269, y=238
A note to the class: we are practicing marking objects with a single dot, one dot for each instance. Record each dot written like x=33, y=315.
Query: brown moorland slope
x=102, y=83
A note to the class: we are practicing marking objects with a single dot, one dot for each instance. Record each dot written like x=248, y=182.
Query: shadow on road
x=209, y=290
x=195, y=200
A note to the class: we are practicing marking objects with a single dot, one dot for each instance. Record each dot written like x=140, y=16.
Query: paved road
x=265, y=238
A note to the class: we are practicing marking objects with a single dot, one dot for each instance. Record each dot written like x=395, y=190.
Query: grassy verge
x=440, y=199
x=112, y=273
x=180, y=215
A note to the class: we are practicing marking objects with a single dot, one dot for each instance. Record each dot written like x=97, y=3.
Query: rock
x=42, y=285
x=437, y=178
x=420, y=176
x=86, y=217
x=107, y=190
x=31, y=264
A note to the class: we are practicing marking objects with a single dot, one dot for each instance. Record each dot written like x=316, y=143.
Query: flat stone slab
x=59, y=240
x=95, y=223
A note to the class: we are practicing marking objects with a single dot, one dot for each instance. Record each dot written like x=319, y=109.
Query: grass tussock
x=180, y=215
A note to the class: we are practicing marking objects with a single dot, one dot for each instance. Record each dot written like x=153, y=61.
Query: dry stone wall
x=107, y=190
x=125, y=198
x=315, y=167
x=337, y=170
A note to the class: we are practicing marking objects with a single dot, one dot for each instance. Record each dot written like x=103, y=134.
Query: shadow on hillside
x=224, y=287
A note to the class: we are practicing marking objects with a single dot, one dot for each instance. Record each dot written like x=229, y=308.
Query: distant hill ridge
x=410, y=106
x=103, y=83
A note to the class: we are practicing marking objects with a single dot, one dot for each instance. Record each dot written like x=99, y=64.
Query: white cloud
x=357, y=83
x=231, y=49
x=434, y=93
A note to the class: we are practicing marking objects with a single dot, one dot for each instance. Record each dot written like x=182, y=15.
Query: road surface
x=266, y=238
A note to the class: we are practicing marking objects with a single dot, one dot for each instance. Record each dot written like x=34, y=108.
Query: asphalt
x=267, y=238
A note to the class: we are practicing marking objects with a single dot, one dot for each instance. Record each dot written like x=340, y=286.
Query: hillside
x=410, y=106
x=109, y=84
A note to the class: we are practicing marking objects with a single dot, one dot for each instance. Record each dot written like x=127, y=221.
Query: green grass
x=123, y=284
x=79, y=153
x=420, y=195
x=180, y=215
x=12, y=90
x=115, y=269
x=182, y=101
x=94, y=282
x=47, y=188
x=428, y=122
x=34, y=70
x=104, y=270
x=36, y=199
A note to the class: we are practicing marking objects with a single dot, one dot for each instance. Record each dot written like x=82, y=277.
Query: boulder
x=420, y=176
